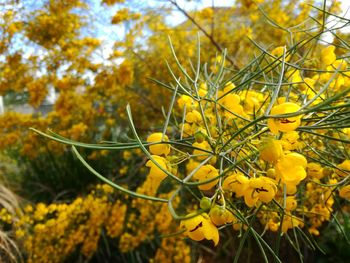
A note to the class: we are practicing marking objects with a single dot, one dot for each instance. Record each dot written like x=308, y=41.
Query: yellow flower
x=343, y=168
x=251, y=101
x=341, y=64
x=193, y=117
x=314, y=231
x=291, y=203
x=156, y=173
x=204, y=173
x=203, y=90
x=191, y=165
x=291, y=168
x=347, y=131
x=231, y=102
x=291, y=188
x=309, y=84
x=220, y=216
x=328, y=55
x=315, y=170
x=278, y=52
x=290, y=141
x=185, y=100
x=271, y=150
x=203, y=145
x=206, y=13
x=344, y=192
x=272, y=225
x=200, y=227
x=293, y=76
x=158, y=149
x=187, y=129
x=335, y=84
x=290, y=221
x=78, y=130
x=284, y=124
x=271, y=173
x=262, y=188
x=237, y=183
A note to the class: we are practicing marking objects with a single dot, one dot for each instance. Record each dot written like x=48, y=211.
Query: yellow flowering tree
x=251, y=146
x=250, y=151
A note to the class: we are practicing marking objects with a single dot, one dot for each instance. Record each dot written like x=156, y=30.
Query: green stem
x=109, y=182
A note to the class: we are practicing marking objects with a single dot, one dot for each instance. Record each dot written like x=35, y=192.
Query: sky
x=345, y=6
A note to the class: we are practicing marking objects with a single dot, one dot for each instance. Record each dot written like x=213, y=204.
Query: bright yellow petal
x=272, y=126
x=210, y=231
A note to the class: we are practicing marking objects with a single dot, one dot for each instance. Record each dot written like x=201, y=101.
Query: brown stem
x=209, y=36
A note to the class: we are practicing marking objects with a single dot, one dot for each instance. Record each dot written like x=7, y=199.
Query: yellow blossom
x=193, y=117
x=278, y=52
x=291, y=168
x=206, y=13
x=262, y=188
x=290, y=222
x=270, y=150
x=343, y=168
x=284, y=124
x=344, y=192
x=327, y=55
x=200, y=227
x=290, y=141
x=201, y=154
x=220, y=216
x=156, y=173
x=291, y=203
x=309, y=84
x=185, y=100
x=237, y=183
x=158, y=149
x=293, y=76
x=315, y=170
x=204, y=173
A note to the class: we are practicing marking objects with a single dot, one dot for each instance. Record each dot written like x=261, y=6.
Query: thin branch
x=208, y=35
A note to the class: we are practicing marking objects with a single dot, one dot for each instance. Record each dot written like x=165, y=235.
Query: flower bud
x=220, y=216
x=271, y=150
x=199, y=136
x=205, y=203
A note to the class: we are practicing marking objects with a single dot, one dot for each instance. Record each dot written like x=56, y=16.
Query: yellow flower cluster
x=253, y=189
x=146, y=219
x=124, y=15
x=172, y=250
x=271, y=170
x=51, y=233
x=225, y=153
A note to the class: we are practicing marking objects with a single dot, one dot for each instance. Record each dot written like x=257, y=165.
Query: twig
x=208, y=35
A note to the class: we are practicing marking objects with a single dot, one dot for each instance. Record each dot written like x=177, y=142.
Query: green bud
x=199, y=136
x=205, y=203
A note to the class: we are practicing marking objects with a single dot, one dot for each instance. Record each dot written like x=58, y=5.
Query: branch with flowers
x=263, y=149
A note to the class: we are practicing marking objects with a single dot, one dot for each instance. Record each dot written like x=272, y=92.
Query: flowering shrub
x=54, y=232
x=271, y=149
x=250, y=149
